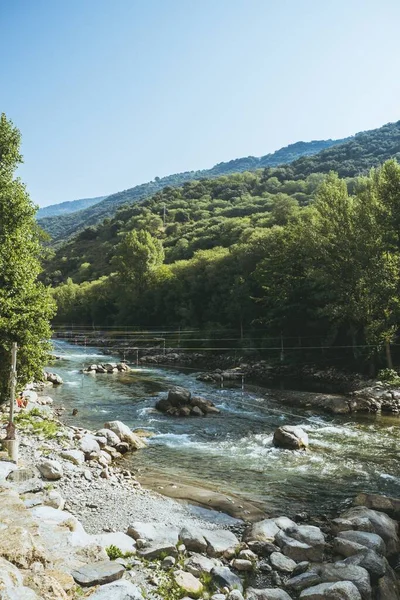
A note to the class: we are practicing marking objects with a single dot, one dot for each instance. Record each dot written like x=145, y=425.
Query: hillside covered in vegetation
x=62, y=227
x=295, y=249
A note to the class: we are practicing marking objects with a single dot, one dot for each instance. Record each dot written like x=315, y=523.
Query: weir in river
x=233, y=452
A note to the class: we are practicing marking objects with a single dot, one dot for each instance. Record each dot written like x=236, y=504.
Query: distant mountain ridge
x=62, y=226
x=67, y=207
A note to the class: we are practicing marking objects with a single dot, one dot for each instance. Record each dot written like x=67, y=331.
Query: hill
x=61, y=227
x=70, y=206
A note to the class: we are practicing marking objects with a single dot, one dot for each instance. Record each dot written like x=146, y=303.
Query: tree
x=25, y=304
x=136, y=257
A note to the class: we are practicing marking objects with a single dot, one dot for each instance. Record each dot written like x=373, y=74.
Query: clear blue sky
x=111, y=93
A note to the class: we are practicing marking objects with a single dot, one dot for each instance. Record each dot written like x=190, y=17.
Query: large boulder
x=125, y=434
x=178, y=396
x=342, y=590
x=220, y=541
x=267, y=594
x=188, y=583
x=301, y=543
x=361, y=518
x=112, y=438
x=224, y=577
x=288, y=436
x=364, y=539
x=193, y=539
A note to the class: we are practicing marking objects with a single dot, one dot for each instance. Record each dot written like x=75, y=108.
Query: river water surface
x=233, y=452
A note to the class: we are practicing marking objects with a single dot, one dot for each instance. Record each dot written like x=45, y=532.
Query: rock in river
x=293, y=438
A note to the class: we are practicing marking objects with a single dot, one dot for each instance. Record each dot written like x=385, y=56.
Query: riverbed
x=233, y=452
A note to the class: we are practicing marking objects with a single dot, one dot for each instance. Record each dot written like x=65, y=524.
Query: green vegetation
x=389, y=376
x=63, y=227
x=114, y=552
x=25, y=304
x=283, y=251
x=36, y=423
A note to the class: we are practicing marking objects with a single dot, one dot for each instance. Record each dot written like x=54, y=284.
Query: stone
x=168, y=562
x=46, y=587
x=301, y=567
x=188, y=583
x=288, y=436
x=21, y=475
x=122, y=447
x=263, y=531
x=125, y=434
x=53, y=498
x=304, y=580
x=235, y=595
x=153, y=532
x=112, y=438
x=196, y=412
x=266, y=594
x=240, y=564
x=370, y=540
x=5, y=468
x=342, y=590
x=341, y=571
x=50, y=469
x=303, y=543
x=193, y=539
x=88, y=445
x=116, y=538
x=387, y=587
x=219, y=541
x=386, y=504
x=178, y=396
x=77, y=457
x=98, y=573
x=365, y=519
x=224, y=577
x=368, y=559
x=282, y=563
x=118, y=590
x=247, y=555
x=262, y=548
x=198, y=564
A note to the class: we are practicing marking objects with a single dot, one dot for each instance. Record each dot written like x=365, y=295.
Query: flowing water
x=233, y=452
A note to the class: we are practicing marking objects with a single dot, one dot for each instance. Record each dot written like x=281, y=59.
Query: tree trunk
x=388, y=355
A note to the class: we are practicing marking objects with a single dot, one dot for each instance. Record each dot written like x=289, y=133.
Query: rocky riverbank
x=74, y=523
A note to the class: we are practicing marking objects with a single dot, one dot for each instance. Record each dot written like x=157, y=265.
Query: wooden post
x=11, y=443
x=389, y=361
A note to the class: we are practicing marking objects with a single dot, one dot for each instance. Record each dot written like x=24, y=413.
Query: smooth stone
x=370, y=540
x=77, y=457
x=368, y=559
x=193, y=539
x=241, y=564
x=290, y=437
x=267, y=594
x=342, y=590
x=366, y=519
x=282, y=563
x=224, y=577
x=198, y=564
x=50, y=469
x=219, y=541
x=188, y=583
x=98, y=573
x=263, y=531
x=340, y=571
x=119, y=590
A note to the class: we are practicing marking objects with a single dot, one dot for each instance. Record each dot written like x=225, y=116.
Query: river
x=233, y=452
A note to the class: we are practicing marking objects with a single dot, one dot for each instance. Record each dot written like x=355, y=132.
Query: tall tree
x=25, y=304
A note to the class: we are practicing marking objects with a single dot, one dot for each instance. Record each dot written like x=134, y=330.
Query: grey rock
x=263, y=531
x=387, y=587
x=198, y=564
x=219, y=541
x=98, y=573
x=241, y=564
x=77, y=457
x=30, y=486
x=119, y=590
x=370, y=540
x=293, y=438
x=365, y=519
x=235, y=595
x=262, y=548
x=193, y=539
x=267, y=594
x=302, y=543
x=368, y=559
x=224, y=577
x=168, y=562
x=111, y=437
x=21, y=475
x=304, y=580
x=301, y=568
x=341, y=571
x=88, y=445
x=50, y=469
x=178, y=396
x=342, y=590
x=282, y=563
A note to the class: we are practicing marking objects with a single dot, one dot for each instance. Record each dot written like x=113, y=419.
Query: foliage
x=114, y=552
x=25, y=304
x=389, y=376
x=37, y=424
x=62, y=227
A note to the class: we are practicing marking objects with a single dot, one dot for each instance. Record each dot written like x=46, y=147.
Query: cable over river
x=233, y=452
